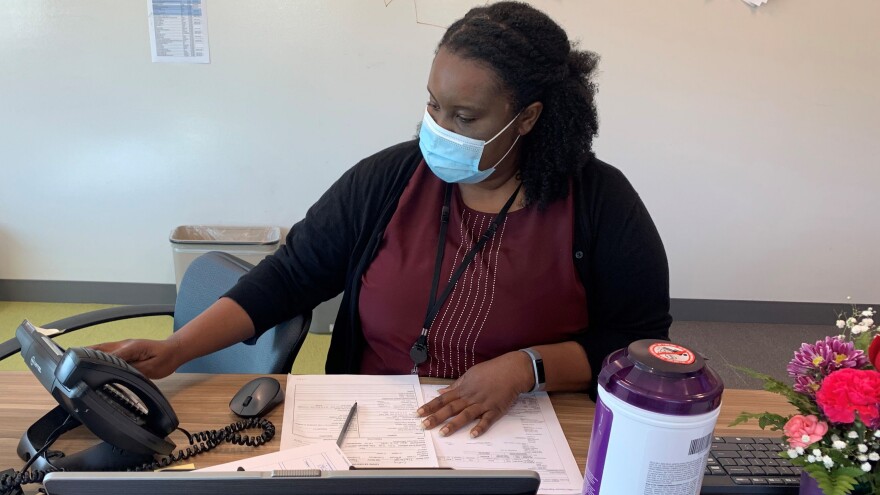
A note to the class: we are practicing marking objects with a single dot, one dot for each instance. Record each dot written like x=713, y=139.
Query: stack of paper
x=386, y=432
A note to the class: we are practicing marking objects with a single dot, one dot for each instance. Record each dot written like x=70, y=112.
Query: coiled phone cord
x=207, y=440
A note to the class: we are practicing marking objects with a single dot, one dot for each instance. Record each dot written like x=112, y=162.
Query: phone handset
x=114, y=401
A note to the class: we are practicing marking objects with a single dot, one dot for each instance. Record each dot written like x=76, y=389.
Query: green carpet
x=310, y=359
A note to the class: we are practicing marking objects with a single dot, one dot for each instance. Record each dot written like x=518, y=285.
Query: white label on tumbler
x=650, y=453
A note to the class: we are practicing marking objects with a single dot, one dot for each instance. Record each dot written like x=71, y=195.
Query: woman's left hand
x=484, y=393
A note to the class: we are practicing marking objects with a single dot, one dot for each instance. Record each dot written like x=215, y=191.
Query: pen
x=342, y=433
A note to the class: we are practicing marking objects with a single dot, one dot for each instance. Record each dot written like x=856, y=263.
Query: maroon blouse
x=521, y=290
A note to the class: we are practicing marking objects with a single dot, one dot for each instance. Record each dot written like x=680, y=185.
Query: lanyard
x=419, y=350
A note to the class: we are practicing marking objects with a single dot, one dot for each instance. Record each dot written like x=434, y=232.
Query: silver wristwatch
x=537, y=368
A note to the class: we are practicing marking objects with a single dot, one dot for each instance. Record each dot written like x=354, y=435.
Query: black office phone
x=115, y=402
x=112, y=399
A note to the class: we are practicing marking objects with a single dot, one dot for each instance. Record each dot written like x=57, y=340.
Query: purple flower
x=806, y=385
x=823, y=357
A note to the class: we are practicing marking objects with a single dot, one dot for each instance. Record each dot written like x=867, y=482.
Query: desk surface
x=202, y=403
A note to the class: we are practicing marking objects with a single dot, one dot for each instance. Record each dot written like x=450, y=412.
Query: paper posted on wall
x=178, y=31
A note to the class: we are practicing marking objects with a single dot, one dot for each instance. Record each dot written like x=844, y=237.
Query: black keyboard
x=749, y=465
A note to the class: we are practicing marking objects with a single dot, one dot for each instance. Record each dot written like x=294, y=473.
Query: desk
x=202, y=403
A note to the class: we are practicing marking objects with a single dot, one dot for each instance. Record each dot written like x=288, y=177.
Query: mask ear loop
x=505, y=155
x=511, y=146
x=502, y=130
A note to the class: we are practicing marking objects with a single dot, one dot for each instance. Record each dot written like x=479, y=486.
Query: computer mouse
x=257, y=397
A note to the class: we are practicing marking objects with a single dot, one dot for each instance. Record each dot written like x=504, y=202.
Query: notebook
x=305, y=482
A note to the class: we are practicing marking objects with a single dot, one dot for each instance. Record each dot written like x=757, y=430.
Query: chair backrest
x=206, y=279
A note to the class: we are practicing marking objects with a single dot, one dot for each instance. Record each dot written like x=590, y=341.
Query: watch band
x=537, y=368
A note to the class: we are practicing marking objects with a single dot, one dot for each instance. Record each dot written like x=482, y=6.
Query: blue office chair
x=206, y=279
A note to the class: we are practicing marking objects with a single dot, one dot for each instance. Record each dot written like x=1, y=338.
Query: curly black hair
x=535, y=61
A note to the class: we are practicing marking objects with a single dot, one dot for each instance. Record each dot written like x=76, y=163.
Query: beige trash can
x=251, y=244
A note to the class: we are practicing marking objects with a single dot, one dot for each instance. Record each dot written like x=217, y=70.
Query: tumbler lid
x=663, y=377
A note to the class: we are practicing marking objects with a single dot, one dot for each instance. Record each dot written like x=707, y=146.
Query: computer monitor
x=303, y=482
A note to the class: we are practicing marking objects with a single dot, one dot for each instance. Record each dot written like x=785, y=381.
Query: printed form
x=325, y=456
x=384, y=432
x=529, y=436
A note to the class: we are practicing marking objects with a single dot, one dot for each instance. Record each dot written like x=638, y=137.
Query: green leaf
x=862, y=341
x=774, y=421
x=840, y=481
x=802, y=402
x=851, y=472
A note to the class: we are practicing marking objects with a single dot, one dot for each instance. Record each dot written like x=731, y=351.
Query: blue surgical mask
x=453, y=157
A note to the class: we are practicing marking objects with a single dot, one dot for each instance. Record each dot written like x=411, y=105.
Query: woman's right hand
x=153, y=358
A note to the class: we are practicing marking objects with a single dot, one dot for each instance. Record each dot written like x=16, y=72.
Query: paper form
x=178, y=31
x=529, y=436
x=384, y=432
x=325, y=456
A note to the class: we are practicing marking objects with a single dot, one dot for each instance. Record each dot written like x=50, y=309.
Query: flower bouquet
x=835, y=437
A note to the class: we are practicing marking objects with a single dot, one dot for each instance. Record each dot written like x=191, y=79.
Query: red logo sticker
x=672, y=353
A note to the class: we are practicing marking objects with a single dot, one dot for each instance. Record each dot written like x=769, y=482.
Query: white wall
x=752, y=134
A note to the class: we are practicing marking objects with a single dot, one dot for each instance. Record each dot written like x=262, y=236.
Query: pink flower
x=800, y=426
x=847, y=391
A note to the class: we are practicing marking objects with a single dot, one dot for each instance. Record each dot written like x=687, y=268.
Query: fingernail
x=425, y=424
x=475, y=433
x=420, y=411
x=444, y=431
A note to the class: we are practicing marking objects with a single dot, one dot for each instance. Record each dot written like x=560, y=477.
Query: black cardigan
x=617, y=251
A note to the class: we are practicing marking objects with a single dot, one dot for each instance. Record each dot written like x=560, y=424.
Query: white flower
x=862, y=458
x=867, y=322
x=857, y=329
x=799, y=450
x=873, y=456
x=817, y=452
x=876, y=433
x=792, y=453
x=828, y=462
x=852, y=434
x=841, y=323
x=866, y=467
x=811, y=458
x=863, y=448
x=839, y=445
x=869, y=312
x=850, y=321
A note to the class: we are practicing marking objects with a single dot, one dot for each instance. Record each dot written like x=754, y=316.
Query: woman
x=496, y=232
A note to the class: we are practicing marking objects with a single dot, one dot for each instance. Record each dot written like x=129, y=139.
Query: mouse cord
x=207, y=440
